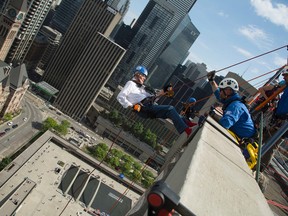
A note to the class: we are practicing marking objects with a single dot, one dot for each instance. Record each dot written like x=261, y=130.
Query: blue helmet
x=192, y=100
x=141, y=69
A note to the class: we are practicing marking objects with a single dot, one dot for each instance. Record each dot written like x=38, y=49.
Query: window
x=130, y=57
x=142, y=40
x=153, y=23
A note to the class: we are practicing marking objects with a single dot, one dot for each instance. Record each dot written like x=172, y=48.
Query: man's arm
x=263, y=90
x=231, y=116
x=211, y=76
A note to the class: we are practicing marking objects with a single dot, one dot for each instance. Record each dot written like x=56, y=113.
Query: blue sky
x=233, y=31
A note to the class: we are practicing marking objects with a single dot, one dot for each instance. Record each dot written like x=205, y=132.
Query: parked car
x=25, y=119
x=7, y=129
x=2, y=133
x=10, y=123
x=15, y=126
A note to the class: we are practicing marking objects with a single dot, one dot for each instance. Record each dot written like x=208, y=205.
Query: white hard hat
x=229, y=82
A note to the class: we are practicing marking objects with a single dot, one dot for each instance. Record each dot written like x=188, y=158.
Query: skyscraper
x=85, y=58
x=37, y=11
x=53, y=38
x=175, y=52
x=10, y=22
x=2, y=5
x=65, y=14
x=67, y=10
x=152, y=31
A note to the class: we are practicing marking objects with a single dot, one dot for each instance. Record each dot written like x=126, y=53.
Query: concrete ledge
x=212, y=177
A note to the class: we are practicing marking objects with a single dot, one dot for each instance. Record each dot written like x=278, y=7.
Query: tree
x=116, y=153
x=101, y=151
x=138, y=129
x=115, y=117
x=136, y=175
x=103, y=146
x=113, y=161
x=150, y=138
x=126, y=168
x=127, y=158
x=5, y=161
x=8, y=117
x=65, y=123
x=147, y=174
x=63, y=127
x=147, y=182
x=137, y=166
x=49, y=123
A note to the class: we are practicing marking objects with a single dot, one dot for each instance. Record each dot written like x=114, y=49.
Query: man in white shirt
x=142, y=99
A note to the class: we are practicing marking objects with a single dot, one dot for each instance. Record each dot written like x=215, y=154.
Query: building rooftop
x=47, y=177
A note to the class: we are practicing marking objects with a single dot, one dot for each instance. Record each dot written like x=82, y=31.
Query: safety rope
x=127, y=188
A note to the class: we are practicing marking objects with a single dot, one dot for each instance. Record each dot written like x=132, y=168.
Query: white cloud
x=243, y=52
x=277, y=14
x=222, y=14
x=256, y=35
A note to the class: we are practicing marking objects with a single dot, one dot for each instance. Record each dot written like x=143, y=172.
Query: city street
x=14, y=138
x=35, y=111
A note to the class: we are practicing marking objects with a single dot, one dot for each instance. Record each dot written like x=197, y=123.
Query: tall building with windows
x=151, y=32
x=2, y=5
x=67, y=10
x=36, y=13
x=53, y=38
x=10, y=22
x=175, y=52
x=85, y=58
x=65, y=14
x=121, y=6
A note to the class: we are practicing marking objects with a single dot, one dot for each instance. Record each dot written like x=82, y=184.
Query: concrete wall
x=212, y=178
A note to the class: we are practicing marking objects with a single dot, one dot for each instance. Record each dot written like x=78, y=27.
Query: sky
x=233, y=31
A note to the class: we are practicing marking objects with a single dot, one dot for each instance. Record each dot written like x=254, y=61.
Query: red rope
x=277, y=204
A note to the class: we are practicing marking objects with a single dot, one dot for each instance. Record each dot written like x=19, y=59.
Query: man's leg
x=166, y=111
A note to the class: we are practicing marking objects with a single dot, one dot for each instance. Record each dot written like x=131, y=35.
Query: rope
x=244, y=82
x=277, y=204
x=132, y=182
x=241, y=62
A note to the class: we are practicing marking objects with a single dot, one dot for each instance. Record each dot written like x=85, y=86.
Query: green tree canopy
x=8, y=117
x=138, y=129
x=150, y=138
x=49, y=123
x=5, y=161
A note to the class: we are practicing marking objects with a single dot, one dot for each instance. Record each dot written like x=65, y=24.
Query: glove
x=137, y=107
x=185, y=105
x=211, y=75
x=168, y=90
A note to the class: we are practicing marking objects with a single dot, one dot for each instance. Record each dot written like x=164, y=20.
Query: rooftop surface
x=45, y=178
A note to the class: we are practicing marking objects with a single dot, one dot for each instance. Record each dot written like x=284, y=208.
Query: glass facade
x=174, y=53
x=65, y=14
x=154, y=27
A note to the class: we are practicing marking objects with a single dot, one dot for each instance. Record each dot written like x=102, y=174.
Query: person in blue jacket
x=282, y=108
x=280, y=116
x=236, y=116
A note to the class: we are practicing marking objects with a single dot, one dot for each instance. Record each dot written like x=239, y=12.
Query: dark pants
x=163, y=112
